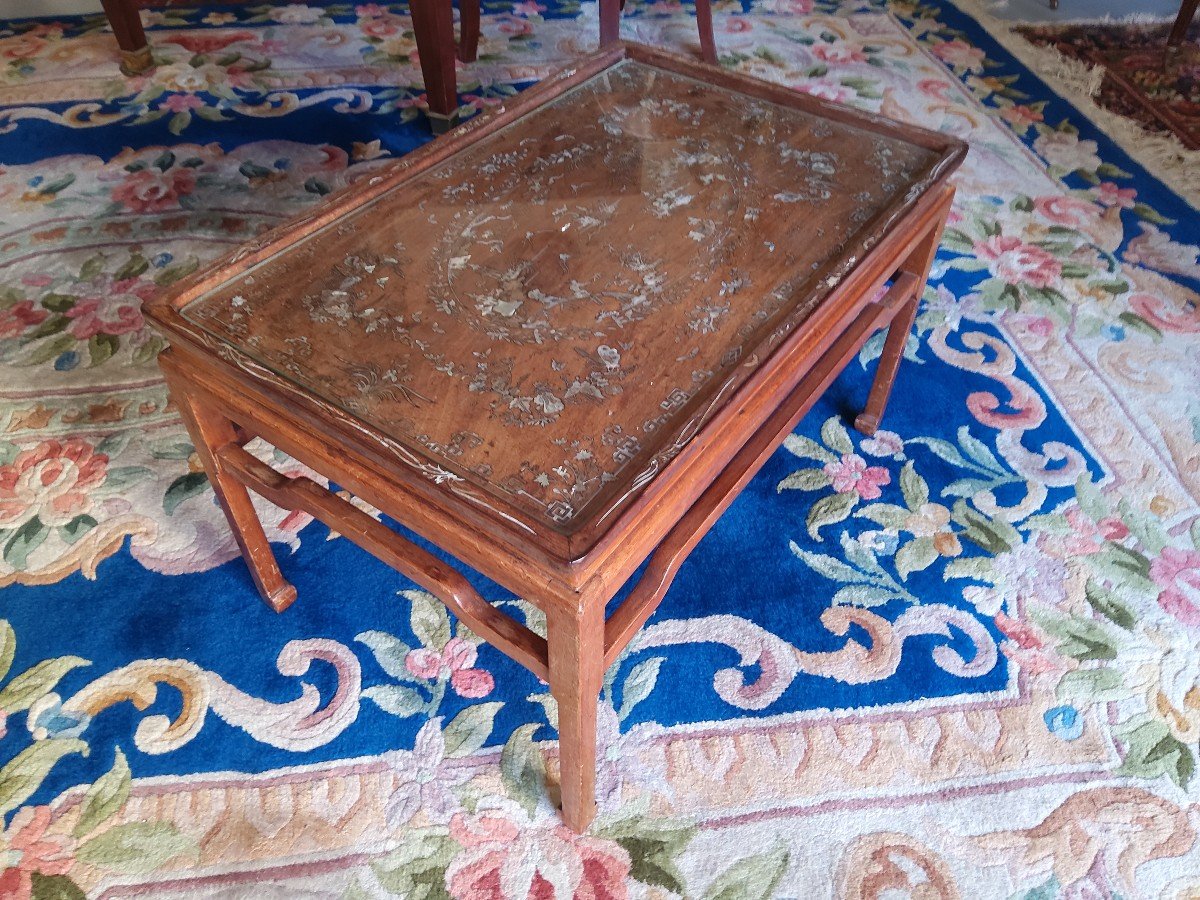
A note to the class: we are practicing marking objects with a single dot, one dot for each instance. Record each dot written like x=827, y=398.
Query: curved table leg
x=433, y=27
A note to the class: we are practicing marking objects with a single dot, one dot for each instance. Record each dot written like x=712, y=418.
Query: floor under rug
x=958, y=659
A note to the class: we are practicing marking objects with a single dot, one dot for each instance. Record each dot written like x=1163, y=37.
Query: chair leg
x=468, y=30
x=708, y=44
x=610, y=22
x=131, y=38
x=433, y=27
x=1187, y=12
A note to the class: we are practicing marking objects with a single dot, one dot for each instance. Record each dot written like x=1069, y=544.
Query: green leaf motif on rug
x=523, y=768
x=37, y=681
x=1153, y=751
x=54, y=887
x=653, y=847
x=105, y=797
x=24, y=541
x=417, y=869
x=389, y=651
x=396, y=699
x=428, y=620
x=181, y=489
x=25, y=772
x=8, y=647
x=470, y=729
x=639, y=685
x=752, y=878
x=136, y=848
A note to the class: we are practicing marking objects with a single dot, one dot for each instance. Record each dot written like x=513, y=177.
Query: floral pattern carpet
x=1144, y=80
x=958, y=659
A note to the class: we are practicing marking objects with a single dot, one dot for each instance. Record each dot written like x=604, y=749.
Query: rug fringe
x=1135, y=18
x=1161, y=154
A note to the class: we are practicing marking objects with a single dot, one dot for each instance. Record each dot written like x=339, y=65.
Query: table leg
x=209, y=431
x=433, y=27
x=131, y=38
x=610, y=22
x=576, y=651
x=889, y=364
x=917, y=264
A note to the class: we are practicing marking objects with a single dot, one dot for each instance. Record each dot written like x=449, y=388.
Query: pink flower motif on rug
x=1069, y=211
x=53, y=482
x=1111, y=194
x=150, y=190
x=1016, y=262
x=1086, y=537
x=1177, y=573
x=960, y=54
x=851, y=474
x=510, y=855
x=457, y=661
x=840, y=54
x=27, y=851
x=110, y=307
x=19, y=318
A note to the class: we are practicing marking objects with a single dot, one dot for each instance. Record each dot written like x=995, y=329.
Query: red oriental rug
x=1144, y=80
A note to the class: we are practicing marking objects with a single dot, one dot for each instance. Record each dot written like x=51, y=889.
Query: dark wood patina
x=562, y=341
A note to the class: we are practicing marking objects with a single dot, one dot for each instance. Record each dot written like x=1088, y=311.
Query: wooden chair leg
x=704, y=22
x=433, y=27
x=610, y=22
x=131, y=37
x=468, y=30
x=1187, y=12
x=209, y=431
x=576, y=650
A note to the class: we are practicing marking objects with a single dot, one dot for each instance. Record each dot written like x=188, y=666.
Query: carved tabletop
x=548, y=315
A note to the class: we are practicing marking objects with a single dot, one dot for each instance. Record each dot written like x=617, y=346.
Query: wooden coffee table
x=561, y=341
